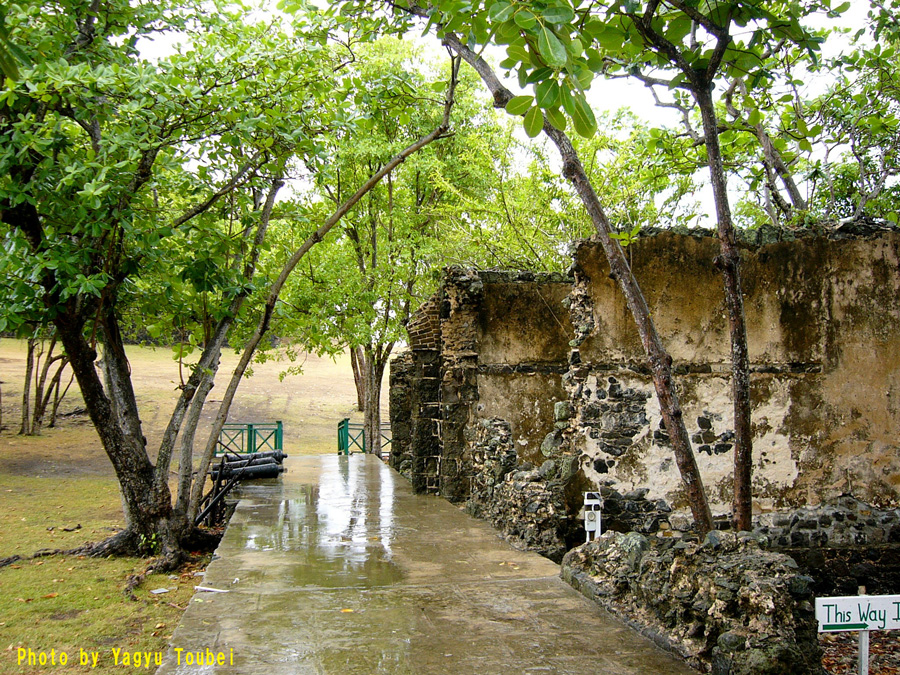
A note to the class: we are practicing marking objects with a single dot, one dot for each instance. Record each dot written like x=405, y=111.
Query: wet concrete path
x=337, y=568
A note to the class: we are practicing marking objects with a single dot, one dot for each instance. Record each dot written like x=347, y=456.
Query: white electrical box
x=593, y=503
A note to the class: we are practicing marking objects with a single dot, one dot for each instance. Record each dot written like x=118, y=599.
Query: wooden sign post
x=862, y=613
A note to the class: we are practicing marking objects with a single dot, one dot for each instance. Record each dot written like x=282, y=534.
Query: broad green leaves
x=11, y=56
x=519, y=105
x=558, y=14
x=545, y=50
x=534, y=122
x=583, y=117
x=547, y=94
x=116, y=148
x=501, y=12
x=551, y=49
x=568, y=45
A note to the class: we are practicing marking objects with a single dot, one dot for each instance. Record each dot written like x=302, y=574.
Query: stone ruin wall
x=415, y=402
x=522, y=391
x=488, y=345
x=561, y=365
x=823, y=321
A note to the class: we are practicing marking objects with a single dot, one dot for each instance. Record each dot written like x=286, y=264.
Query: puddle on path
x=337, y=532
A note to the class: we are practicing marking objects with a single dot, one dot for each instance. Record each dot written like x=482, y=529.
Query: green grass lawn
x=63, y=479
x=65, y=603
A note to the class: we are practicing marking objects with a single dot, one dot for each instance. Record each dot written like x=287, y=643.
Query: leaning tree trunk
x=44, y=391
x=278, y=284
x=729, y=262
x=659, y=360
x=58, y=397
x=41, y=373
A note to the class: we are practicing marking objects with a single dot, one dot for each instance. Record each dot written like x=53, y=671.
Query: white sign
x=592, y=506
x=860, y=612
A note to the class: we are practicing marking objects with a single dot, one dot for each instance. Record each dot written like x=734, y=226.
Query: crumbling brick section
x=461, y=294
x=425, y=327
x=416, y=403
x=425, y=399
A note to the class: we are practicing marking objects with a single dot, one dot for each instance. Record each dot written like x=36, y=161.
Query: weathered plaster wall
x=824, y=335
x=523, y=335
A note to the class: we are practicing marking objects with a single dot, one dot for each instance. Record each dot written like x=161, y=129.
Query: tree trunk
x=185, y=468
x=25, y=428
x=729, y=261
x=40, y=379
x=376, y=358
x=42, y=397
x=659, y=360
x=203, y=377
x=357, y=360
x=225, y=406
x=147, y=505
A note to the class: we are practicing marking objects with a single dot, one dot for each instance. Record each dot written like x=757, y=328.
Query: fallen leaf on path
x=50, y=595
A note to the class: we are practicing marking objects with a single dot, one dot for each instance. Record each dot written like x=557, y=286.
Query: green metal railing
x=250, y=438
x=352, y=435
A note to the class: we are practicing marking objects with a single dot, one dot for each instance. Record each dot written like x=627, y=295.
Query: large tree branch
x=240, y=177
x=86, y=29
x=696, y=15
x=204, y=372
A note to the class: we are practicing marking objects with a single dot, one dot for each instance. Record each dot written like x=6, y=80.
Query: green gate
x=352, y=435
x=250, y=438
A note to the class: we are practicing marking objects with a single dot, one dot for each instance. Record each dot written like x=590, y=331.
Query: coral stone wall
x=727, y=605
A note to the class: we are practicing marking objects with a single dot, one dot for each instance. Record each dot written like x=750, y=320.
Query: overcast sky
x=605, y=95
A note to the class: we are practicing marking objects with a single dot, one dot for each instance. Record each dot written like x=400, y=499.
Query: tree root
x=127, y=543
x=124, y=543
x=203, y=541
x=42, y=553
x=10, y=560
x=170, y=562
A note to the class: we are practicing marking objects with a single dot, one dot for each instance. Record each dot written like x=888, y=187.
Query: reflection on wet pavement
x=337, y=567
